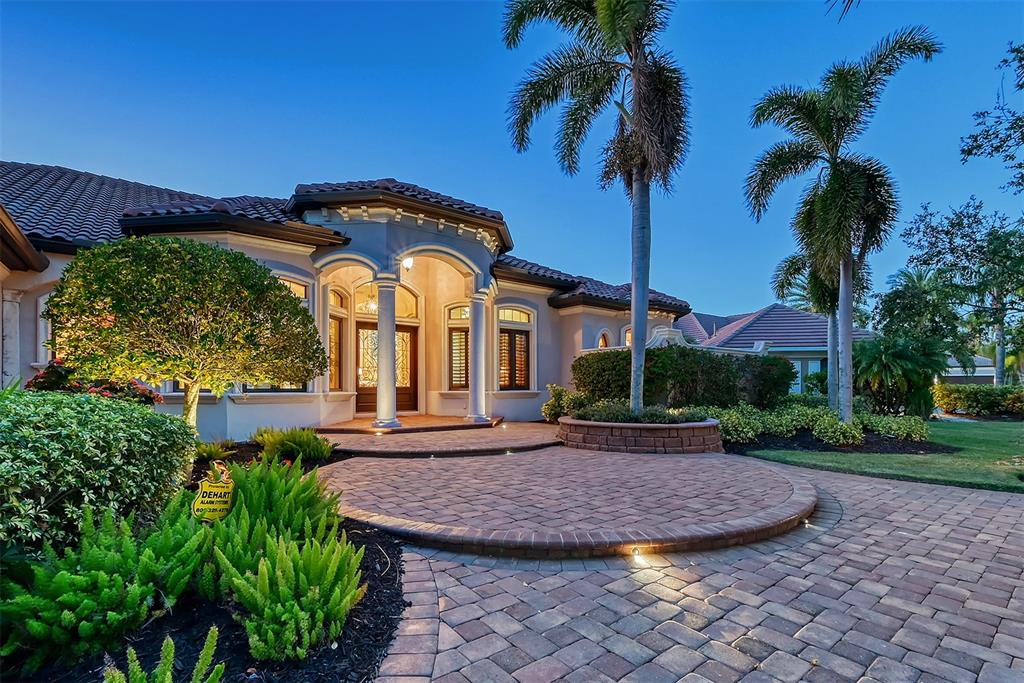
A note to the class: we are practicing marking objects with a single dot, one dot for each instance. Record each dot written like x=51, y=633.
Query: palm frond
x=780, y=162
x=567, y=72
x=879, y=206
x=790, y=274
x=886, y=58
x=660, y=122
x=796, y=110
x=578, y=117
x=577, y=17
x=846, y=5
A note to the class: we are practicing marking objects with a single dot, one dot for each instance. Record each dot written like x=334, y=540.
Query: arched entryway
x=407, y=328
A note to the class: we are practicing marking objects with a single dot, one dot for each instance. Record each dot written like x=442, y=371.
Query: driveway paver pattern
x=889, y=581
x=509, y=436
x=562, y=502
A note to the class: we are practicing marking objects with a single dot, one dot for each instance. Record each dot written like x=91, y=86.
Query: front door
x=366, y=367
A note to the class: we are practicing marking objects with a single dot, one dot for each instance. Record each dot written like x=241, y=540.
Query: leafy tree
x=612, y=61
x=798, y=284
x=159, y=309
x=896, y=374
x=850, y=206
x=1000, y=132
x=918, y=306
x=981, y=257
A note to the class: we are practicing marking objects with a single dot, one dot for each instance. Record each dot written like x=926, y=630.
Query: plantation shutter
x=458, y=359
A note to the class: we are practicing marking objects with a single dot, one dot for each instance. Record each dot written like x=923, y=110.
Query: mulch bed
x=873, y=443
x=355, y=656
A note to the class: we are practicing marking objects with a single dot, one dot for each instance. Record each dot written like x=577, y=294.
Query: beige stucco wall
x=447, y=268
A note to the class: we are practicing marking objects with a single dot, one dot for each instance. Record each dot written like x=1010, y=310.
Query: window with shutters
x=513, y=359
x=458, y=358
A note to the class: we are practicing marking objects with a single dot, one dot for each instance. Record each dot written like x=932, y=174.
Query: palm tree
x=611, y=61
x=799, y=285
x=850, y=206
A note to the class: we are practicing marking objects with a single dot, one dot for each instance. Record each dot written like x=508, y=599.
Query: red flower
x=58, y=361
x=106, y=394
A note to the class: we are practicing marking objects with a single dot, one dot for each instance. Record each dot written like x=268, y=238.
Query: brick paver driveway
x=891, y=581
x=562, y=502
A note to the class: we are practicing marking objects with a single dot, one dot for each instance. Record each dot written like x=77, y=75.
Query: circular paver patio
x=560, y=502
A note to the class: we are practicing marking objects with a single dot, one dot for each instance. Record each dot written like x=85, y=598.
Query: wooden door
x=405, y=367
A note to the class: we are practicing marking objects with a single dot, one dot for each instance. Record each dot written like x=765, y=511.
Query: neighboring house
x=984, y=372
x=480, y=332
x=798, y=336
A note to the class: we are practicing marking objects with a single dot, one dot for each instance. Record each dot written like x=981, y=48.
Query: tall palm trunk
x=1000, y=331
x=832, y=369
x=641, y=244
x=845, y=339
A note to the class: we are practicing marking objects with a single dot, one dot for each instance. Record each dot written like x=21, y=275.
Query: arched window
x=366, y=301
x=457, y=327
x=603, y=341
x=515, y=338
x=336, y=339
x=299, y=289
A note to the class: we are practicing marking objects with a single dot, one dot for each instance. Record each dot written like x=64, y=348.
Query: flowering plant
x=57, y=376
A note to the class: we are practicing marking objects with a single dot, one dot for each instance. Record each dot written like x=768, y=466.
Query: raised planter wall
x=690, y=437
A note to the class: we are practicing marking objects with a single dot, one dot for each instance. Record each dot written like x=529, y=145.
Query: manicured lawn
x=986, y=460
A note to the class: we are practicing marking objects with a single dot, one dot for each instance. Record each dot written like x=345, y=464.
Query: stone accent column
x=477, y=358
x=386, y=395
x=10, y=343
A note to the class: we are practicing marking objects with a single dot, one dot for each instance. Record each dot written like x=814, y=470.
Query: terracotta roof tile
x=404, y=189
x=53, y=202
x=579, y=285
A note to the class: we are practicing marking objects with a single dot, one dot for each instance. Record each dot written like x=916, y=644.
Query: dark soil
x=354, y=657
x=873, y=443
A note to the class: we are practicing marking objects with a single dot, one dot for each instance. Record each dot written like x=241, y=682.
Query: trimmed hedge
x=60, y=452
x=618, y=411
x=979, y=399
x=681, y=375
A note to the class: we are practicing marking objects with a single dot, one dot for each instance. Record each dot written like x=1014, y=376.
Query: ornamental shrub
x=201, y=673
x=765, y=380
x=57, y=376
x=563, y=401
x=835, y=432
x=618, y=411
x=905, y=428
x=816, y=383
x=60, y=452
x=979, y=399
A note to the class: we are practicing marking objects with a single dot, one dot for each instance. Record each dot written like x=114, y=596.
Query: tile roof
x=979, y=362
x=266, y=209
x=701, y=326
x=57, y=203
x=404, y=189
x=579, y=285
x=779, y=325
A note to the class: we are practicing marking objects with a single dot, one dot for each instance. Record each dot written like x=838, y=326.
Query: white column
x=10, y=338
x=386, y=399
x=477, y=358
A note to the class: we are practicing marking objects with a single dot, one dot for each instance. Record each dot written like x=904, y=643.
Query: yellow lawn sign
x=213, y=501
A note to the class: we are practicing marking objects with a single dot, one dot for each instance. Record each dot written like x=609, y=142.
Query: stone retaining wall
x=690, y=437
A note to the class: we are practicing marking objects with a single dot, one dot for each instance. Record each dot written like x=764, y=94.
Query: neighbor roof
x=979, y=362
x=779, y=325
x=701, y=326
x=579, y=289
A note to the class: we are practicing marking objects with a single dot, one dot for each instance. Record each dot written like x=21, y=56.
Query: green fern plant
x=299, y=596
x=272, y=500
x=162, y=674
x=214, y=450
x=85, y=600
x=292, y=444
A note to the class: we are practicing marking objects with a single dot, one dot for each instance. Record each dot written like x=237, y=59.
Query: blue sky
x=252, y=98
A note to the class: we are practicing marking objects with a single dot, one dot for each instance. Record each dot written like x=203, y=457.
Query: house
x=984, y=371
x=798, y=336
x=477, y=331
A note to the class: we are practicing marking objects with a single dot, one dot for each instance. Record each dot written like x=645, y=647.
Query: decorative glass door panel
x=366, y=368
